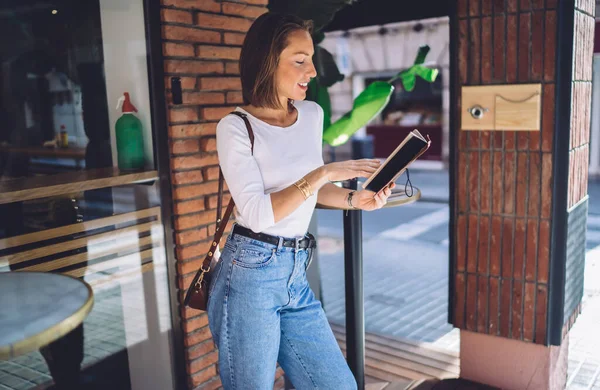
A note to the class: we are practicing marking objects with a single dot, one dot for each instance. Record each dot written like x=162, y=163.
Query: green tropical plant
x=327, y=75
x=375, y=98
x=321, y=12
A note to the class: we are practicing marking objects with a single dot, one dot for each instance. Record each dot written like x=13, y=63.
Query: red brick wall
x=582, y=98
x=579, y=139
x=504, y=178
x=202, y=41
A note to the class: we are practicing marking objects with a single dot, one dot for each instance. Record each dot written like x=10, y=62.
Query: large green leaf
x=327, y=70
x=321, y=12
x=374, y=99
x=327, y=75
x=409, y=78
x=320, y=95
x=366, y=106
x=421, y=54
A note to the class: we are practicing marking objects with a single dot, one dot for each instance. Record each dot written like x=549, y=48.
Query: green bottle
x=130, y=140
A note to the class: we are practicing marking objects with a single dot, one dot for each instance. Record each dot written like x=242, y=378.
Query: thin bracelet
x=350, y=195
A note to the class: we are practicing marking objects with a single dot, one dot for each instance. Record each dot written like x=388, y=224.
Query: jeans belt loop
x=280, y=244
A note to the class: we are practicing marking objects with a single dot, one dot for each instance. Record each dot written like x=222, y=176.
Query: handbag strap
x=221, y=178
x=222, y=222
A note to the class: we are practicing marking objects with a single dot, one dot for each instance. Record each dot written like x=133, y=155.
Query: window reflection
x=53, y=105
x=63, y=65
x=122, y=257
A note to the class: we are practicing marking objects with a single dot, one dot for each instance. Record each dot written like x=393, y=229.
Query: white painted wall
x=125, y=65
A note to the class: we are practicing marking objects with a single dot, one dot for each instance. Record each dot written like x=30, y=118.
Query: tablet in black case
x=413, y=146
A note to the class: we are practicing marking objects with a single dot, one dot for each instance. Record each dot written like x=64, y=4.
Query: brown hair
x=264, y=42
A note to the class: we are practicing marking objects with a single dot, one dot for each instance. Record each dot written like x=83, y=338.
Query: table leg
x=64, y=357
x=355, y=321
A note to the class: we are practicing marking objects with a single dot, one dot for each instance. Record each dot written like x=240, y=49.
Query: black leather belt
x=307, y=242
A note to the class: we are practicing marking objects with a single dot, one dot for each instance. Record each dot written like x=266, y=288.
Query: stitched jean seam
x=226, y=330
x=299, y=359
x=214, y=278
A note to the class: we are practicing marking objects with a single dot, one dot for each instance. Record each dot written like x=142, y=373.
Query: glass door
x=80, y=196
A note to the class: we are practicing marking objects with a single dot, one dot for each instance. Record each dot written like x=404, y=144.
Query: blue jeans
x=261, y=311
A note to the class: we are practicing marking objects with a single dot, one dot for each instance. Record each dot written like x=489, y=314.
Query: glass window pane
x=64, y=65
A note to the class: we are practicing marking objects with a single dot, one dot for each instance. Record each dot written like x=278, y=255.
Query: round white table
x=38, y=308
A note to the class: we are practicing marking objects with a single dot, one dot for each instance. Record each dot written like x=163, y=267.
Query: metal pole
x=353, y=268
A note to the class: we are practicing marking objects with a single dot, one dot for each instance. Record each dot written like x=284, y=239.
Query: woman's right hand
x=345, y=170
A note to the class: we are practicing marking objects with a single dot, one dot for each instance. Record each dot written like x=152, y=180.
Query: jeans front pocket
x=254, y=256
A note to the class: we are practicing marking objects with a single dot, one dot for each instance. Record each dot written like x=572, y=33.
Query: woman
x=261, y=309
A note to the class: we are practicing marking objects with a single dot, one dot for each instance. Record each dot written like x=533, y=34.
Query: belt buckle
x=310, y=248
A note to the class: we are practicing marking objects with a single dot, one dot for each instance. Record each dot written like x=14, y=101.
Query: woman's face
x=295, y=68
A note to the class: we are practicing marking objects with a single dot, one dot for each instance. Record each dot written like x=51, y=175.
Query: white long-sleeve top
x=282, y=155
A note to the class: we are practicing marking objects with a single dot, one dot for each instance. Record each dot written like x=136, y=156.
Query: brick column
x=202, y=43
x=520, y=198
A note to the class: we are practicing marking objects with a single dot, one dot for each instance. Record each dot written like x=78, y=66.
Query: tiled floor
x=405, y=282
x=405, y=287
x=584, y=341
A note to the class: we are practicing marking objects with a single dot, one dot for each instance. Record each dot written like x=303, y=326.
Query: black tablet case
x=411, y=150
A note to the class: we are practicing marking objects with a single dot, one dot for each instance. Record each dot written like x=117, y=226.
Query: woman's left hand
x=368, y=200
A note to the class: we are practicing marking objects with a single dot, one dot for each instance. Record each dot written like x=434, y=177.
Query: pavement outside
x=405, y=252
